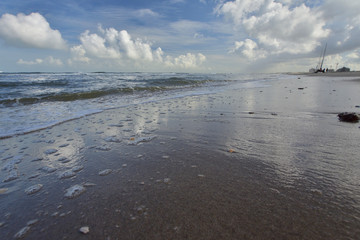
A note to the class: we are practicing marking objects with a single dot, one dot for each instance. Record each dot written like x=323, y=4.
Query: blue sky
x=178, y=35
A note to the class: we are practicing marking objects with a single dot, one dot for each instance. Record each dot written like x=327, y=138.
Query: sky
x=215, y=36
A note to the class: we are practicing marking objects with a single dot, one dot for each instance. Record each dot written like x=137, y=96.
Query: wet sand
x=271, y=162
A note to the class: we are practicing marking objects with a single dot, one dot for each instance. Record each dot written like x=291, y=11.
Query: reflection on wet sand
x=199, y=167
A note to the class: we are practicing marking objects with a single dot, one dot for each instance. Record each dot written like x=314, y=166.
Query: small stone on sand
x=12, y=175
x=74, y=191
x=32, y=222
x=64, y=160
x=84, y=230
x=112, y=139
x=103, y=148
x=33, y=189
x=105, y=172
x=77, y=168
x=35, y=175
x=20, y=234
x=67, y=174
x=50, y=151
x=37, y=160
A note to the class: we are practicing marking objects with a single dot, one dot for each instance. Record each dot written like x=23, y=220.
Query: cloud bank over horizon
x=114, y=45
x=194, y=36
x=33, y=31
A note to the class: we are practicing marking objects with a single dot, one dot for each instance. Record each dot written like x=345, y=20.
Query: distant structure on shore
x=323, y=70
x=343, y=69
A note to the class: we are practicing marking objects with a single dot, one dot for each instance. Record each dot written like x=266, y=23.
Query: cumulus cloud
x=135, y=49
x=277, y=27
x=31, y=31
x=78, y=54
x=95, y=45
x=54, y=61
x=249, y=49
x=186, y=61
x=120, y=46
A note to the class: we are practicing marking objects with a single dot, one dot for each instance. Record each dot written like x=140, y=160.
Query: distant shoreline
x=329, y=74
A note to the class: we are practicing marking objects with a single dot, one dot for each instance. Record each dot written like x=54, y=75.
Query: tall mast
x=322, y=62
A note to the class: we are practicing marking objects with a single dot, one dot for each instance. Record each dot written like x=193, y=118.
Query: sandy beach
x=271, y=162
x=330, y=74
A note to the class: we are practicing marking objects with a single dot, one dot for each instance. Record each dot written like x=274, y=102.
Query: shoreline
x=258, y=163
x=329, y=74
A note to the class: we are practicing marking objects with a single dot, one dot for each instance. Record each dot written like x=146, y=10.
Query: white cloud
x=158, y=55
x=32, y=31
x=95, y=45
x=249, y=49
x=34, y=62
x=54, y=61
x=146, y=13
x=344, y=20
x=135, y=49
x=354, y=55
x=277, y=27
x=47, y=61
x=120, y=47
x=333, y=61
x=78, y=54
x=186, y=61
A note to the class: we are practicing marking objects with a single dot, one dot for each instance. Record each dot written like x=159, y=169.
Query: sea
x=37, y=100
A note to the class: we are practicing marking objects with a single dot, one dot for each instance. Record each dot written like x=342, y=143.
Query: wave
x=66, y=97
x=50, y=83
x=60, y=97
x=84, y=89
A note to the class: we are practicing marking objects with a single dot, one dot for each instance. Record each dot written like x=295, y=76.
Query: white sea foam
x=112, y=89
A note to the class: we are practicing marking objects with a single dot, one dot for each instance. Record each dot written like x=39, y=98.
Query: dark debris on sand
x=349, y=117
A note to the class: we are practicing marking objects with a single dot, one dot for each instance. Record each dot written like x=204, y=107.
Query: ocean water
x=33, y=101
